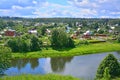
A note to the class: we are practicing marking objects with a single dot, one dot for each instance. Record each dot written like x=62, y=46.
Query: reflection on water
x=58, y=64
x=21, y=63
x=4, y=63
x=84, y=66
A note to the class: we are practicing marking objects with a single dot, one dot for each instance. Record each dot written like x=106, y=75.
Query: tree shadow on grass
x=62, y=49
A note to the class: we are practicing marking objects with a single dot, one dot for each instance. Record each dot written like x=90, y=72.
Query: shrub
x=5, y=57
x=19, y=45
x=59, y=39
x=118, y=39
x=111, y=64
x=25, y=45
x=84, y=42
x=70, y=43
x=35, y=44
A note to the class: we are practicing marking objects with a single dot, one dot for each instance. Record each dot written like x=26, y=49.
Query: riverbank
x=80, y=50
x=42, y=77
x=38, y=77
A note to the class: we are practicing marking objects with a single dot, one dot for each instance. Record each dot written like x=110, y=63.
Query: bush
x=19, y=45
x=111, y=64
x=5, y=57
x=70, y=43
x=25, y=45
x=84, y=42
x=59, y=39
x=118, y=39
x=35, y=44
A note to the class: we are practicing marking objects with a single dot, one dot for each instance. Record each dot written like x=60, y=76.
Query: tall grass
x=38, y=77
x=79, y=50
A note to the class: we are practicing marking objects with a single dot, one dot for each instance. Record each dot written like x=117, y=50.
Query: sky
x=60, y=8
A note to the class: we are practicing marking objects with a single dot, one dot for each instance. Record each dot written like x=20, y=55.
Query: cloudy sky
x=61, y=8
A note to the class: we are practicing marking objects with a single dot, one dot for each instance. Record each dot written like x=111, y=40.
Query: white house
x=32, y=31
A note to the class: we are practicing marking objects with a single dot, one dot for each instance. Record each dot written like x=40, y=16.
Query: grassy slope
x=39, y=77
x=81, y=50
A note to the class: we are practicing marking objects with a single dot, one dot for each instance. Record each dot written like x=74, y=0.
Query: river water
x=84, y=66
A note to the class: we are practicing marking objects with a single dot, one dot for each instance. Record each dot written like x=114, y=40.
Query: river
x=84, y=66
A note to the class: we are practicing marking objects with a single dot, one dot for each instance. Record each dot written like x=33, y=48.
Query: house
x=48, y=31
x=32, y=31
x=73, y=36
x=87, y=35
x=10, y=32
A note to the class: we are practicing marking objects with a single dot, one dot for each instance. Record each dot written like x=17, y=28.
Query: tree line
x=25, y=44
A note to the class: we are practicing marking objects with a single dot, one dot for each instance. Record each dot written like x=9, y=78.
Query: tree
x=12, y=43
x=111, y=64
x=36, y=44
x=19, y=45
x=106, y=75
x=101, y=31
x=3, y=24
x=59, y=39
x=118, y=38
x=5, y=58
x=70, y=43
x=43, y=30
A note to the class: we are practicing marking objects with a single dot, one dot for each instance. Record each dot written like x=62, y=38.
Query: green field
x=39, y=77
x=79, y=50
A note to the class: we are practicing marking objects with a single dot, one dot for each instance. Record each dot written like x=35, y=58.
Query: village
x=77, y=31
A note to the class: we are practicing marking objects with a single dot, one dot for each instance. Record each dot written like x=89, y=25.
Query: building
x=87, y=35
x=32, y=31
x=48, y=31
x=10, y=32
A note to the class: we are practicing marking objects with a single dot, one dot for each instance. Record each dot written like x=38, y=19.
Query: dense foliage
x=59, y=39
x=25, y=45
x=4, y=58
x=118, y=38
x=109, y=64
x=36, y=44
x=43, y=30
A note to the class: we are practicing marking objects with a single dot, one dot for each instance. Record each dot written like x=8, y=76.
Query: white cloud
x=74, y=8
x=115, y=13
x=34, y=2
x=89, y=12
x=102, y=1
x=83, y=3
x=104, y=16
x=16, y=7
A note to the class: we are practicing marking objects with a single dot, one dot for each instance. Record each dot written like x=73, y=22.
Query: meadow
x=38, y=77
x=79, y=50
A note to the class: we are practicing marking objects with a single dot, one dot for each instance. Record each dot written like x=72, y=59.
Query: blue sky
x=61, y=8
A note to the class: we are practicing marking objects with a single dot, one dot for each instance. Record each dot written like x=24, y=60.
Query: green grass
x=39, y=77
x=116, y=79
x=110, y=79
x=79, y=50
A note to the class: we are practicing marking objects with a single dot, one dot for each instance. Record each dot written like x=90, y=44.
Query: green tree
x=118, y=38
x=19, y=45
x=59, y=38
x=5, y=58
x=106, y=75
x=12, y=43
x=3, y=24
x=110, y=64
x=70, y=43
x=36, y=44
x=101, y=31
x=43, y=30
